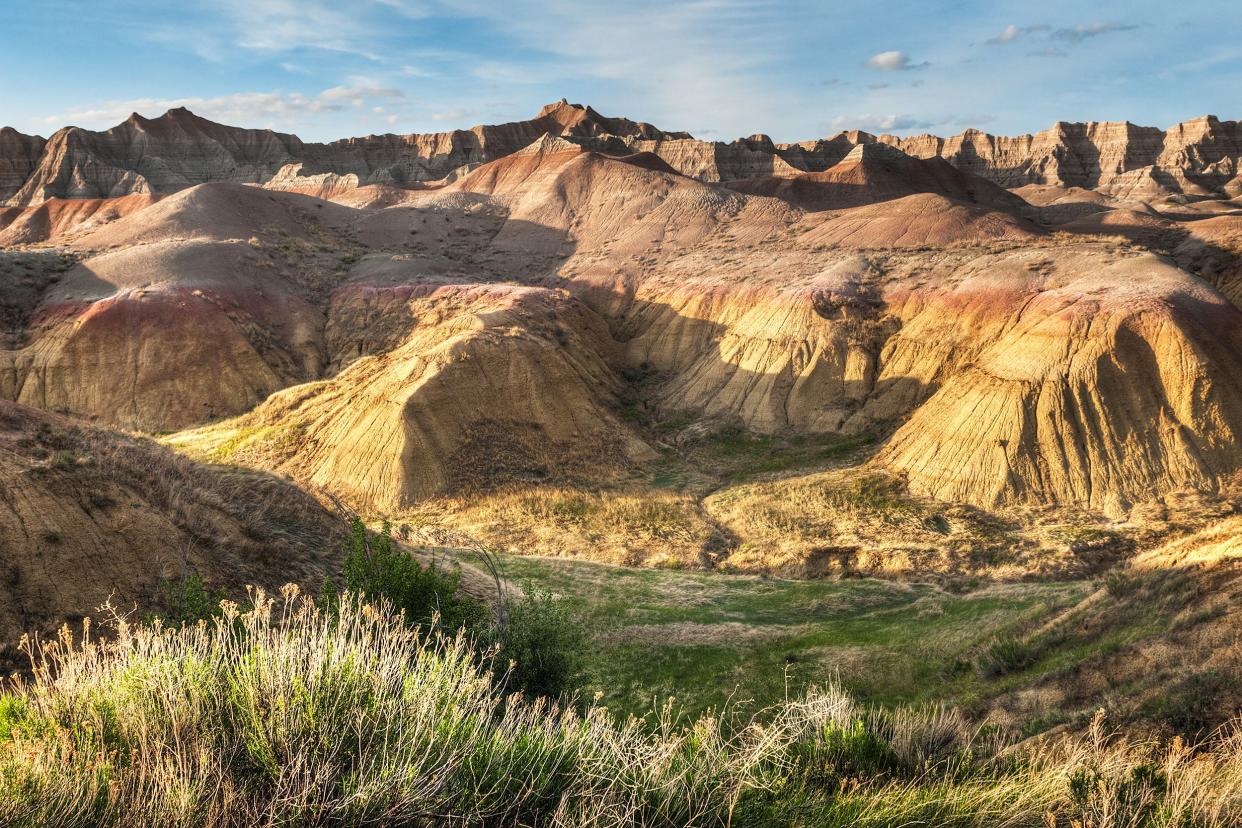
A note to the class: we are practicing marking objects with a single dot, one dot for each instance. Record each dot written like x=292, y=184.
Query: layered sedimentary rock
x=179, y=150
x=874, y=173
x=1084, y=380
x=1197, y=157
x=200, y=307
x=490, y=383
x=58, y=219
x=19, y=155
x=487, y=329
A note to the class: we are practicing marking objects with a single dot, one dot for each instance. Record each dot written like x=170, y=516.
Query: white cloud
x=893, y=61
x=242, y=108
x=1008, y=35
x=870, y=121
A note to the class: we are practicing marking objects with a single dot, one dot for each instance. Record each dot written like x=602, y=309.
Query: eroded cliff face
x=179, y=150
x=19, y=155
x=489, y=384
x=1198, y=157
x=1090, y=379
x=1073, y=376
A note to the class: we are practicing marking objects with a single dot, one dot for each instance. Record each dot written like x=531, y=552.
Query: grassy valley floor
x=711, y=639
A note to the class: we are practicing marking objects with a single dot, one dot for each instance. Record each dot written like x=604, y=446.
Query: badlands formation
x=540, y=330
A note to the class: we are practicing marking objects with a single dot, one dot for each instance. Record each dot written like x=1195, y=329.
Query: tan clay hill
x=1046, y=348
x=89, y=516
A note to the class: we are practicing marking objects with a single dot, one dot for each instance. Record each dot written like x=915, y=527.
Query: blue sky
x=718, y=68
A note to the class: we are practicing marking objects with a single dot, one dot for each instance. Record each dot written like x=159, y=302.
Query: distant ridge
x=1201, y=157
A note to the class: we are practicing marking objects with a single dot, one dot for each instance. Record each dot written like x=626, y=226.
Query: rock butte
x=395, y=317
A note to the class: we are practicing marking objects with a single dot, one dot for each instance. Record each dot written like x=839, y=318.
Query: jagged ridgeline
x=578, y=304
x=180, y=149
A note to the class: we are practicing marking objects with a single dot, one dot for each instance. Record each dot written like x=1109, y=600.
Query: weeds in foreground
x=291, y=714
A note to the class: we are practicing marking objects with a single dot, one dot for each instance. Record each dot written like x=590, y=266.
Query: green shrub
x=1134, y=798
x=426, y=594
x=14, y=716
x=1192, y=705
x=1007, y=655
x=854, y=750
x=290, y=714
x=1120, y=582
x=535, y=642
x=543, y=642
x=190, y=600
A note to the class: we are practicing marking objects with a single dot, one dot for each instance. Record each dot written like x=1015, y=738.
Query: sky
x=720, y=69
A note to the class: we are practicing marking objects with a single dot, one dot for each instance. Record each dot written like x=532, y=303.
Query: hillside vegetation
x=285, y=714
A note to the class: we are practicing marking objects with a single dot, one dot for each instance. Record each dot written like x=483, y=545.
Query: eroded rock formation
x=179, y=149
x=492, y=328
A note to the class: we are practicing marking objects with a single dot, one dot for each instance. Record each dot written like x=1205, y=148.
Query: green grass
x=732, y=455
x=710, y=639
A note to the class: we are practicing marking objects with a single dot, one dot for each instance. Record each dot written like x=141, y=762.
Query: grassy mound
x=288, y=715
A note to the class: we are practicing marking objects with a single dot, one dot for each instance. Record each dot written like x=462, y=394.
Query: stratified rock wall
x=1198, y=157
x=179, y=150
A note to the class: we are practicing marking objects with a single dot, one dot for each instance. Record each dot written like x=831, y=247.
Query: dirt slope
x=490, y=384
x=88, y=516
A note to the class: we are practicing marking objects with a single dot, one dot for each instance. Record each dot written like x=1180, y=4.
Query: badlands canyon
x=580, y=335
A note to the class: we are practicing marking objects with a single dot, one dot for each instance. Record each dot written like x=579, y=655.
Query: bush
x=1007, y=655
x=288, y=714
x=535, y=643
x=543, y=642
x=292, y=715
x=1192, y=705
x=855, y=750
x=1121, y=583
x=190, y=600
x=427, y=595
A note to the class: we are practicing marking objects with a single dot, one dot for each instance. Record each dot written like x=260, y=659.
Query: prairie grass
x=780, y=525
x=286, y=715
x=648, y=527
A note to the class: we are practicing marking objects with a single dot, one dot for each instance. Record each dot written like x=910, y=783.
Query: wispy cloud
x=457, y=115
x=733, y=67
x=870, y=121
x=697, y=62
x=1069, y=35
x=1082, y=32
x=1012, y=32
x=266, y=108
